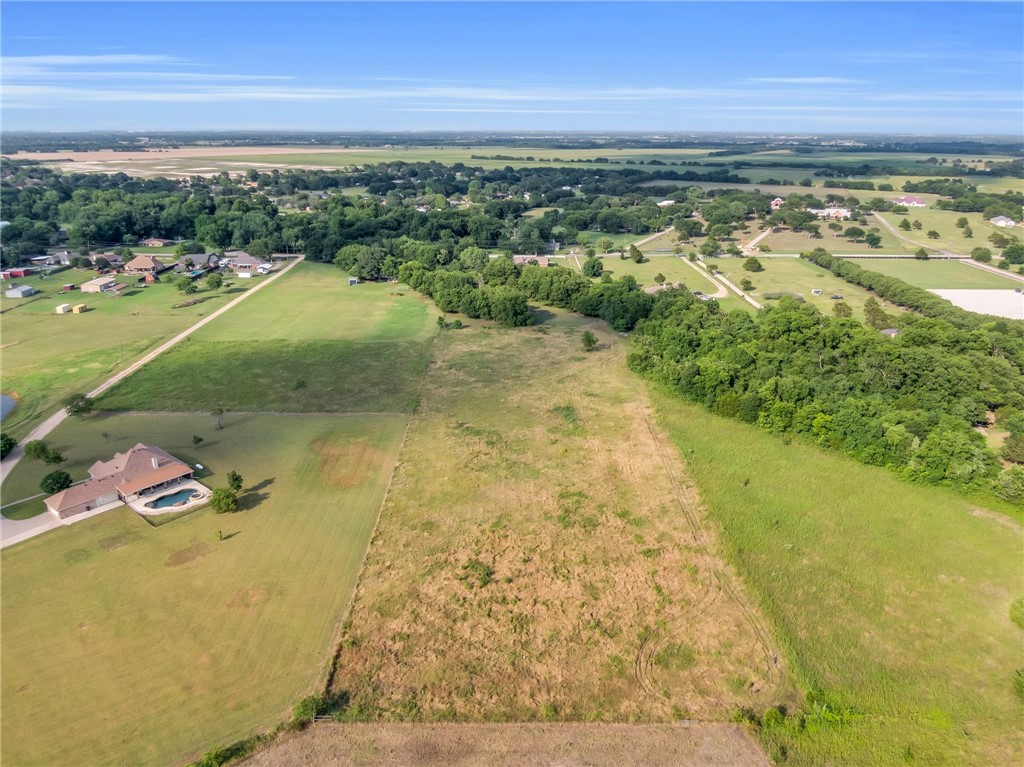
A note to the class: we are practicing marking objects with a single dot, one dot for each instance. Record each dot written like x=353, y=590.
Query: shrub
x=37, y=449
x=77, y=405
x=589, y=341
x=753, y=265
x=224, y=500
x=7, y=444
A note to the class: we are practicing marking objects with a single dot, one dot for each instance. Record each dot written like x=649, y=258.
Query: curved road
x=55, y=420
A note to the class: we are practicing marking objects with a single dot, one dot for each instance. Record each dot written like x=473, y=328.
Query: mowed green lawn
x=787, y=241
x=794, y=275
x=309, y=343
x=892, y=599
x=315, y=301
x=47, y=356
x=672, y=268
x=950, y=236
x=125, y=643
x=939, y=273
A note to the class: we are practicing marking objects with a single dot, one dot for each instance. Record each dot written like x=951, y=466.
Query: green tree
x=53, y=457
x=854, y=233
x=875, y=315
x=659, y=278
x=932, y=234
x=55, y=481
x=635, y=254
x=185, y=285
x=961, y=223
x=917, y=224
x=593, y=267
x=37, y=449
x=509, y=307
x=921, y=254
x=753, y=265
x=589, y=341
x=605, y=244
x=710, y=247
x=101, y=263
x=905, y=225
x=223, y=500
x=983, y=255
x=235, y=481
x=197, y=440
x=77, y=405
x=214, y=281
x=7, y=444
x=746, y=284
x=842, y=309
x=968, y=233
x=873, y=240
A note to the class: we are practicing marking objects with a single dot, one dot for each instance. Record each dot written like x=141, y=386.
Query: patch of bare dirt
x=1001, y=519
x=515, y=745
x=117, y=541
x=349, y=464
x=190, y=553
x=250, y=597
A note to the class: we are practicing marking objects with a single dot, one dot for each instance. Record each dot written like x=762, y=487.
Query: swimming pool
x=180, y=497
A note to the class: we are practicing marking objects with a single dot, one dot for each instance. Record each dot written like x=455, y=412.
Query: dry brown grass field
x=542, y=554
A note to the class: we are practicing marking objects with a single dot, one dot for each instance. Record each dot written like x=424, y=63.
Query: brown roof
x=134, y=470
x=144, y=262
x=79, y=494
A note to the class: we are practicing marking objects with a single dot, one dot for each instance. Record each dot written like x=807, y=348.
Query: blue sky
x=922, y=67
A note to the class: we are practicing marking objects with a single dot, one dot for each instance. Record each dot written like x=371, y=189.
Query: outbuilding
x=63, y=309
x=98, y=285
x=19, y=291
x=79, y=309
x=353, y=281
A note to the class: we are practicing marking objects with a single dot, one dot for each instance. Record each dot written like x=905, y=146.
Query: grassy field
x=160, y=641
x=799, y=242
x=937, y=273
x=542, y=556
x=794, y=275
x=950, y=237
x=892, y=603
x=672, y=268
x=38, y=371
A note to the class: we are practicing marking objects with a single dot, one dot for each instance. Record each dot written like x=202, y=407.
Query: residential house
x=909, y=201
x=201, y=261
x=243, y=262
x=538, y=260
x=834, y=214
x=666, y=203
x=141, y=471
x=1002, y=221
x=143, y=264
x=156, y=242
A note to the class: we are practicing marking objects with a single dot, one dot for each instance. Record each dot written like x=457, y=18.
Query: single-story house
x=193, y=261
x=832, y=213
x=142, y=470
x=42, y=260
x=143, y=264
x=1002, y=222
x=156, y=242
x=19, y=291
x=242, y=261
x=98, y=285
x=64, y=257
x=909, y=201
x=538, y=260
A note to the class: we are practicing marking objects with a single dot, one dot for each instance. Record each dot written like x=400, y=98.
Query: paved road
x=654, y=236
x=51, y=423
x=753, y=243
x=994, y=270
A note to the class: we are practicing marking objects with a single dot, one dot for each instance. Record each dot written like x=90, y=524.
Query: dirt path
x=900, y=236
x=994, y=270
x=512, y=745
x=654, y=236
x=722, y=292
x=51, y=423
x=753, y=243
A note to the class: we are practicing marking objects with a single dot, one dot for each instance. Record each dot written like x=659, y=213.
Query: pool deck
x=139, y=504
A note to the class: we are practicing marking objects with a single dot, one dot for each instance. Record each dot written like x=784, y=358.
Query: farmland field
x=936, y=273
x=795, y=275
x=893, y=604
x=162, y=641
x=542, y=556
x=115, y=331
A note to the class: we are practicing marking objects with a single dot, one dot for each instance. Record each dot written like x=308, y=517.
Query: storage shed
x=353, y=281
x=19, y=291
x=79, y=308
x=63, y=309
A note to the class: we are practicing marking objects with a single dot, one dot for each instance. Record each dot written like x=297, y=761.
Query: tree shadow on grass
x=251, y=500
x=542, y=316
x=261, y=485
x=229, y=536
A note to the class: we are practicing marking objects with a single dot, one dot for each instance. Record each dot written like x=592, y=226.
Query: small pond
x=7, y=404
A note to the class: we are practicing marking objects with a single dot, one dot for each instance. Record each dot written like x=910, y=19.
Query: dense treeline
x=1004, y=337
x=908, y=403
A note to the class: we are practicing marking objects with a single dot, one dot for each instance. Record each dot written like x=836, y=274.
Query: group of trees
x=909, y=403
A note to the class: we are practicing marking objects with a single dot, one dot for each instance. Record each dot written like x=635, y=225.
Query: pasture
x=939, y=273
x=543, y=555
x=950, y=238
x=892, y=601
x=795, y=275
x=787, y=241
x=672, y=268
x=160, y=641
x=47, y=356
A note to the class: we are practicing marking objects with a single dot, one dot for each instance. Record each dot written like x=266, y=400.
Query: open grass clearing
x=47, y=356
x=795, y=275
x=672, y=268
x=938, y=273
x=276, y=376
x=891, y=599
x=950, y=237
x=315, y=301
x=160, y=642
x=787, y=241
x=542, y=555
